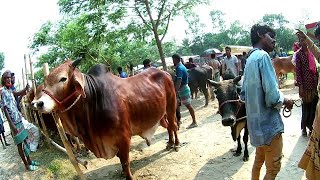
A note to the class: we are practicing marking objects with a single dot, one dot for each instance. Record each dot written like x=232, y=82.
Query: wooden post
x=44, y=128
x=25, y=66
x=67, y=146
x=46, y=72
x=32, y=76
x=23, y=80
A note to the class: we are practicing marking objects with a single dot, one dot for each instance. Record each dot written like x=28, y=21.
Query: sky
x=21, y=19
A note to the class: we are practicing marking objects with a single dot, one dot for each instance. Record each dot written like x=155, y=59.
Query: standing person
x=146, y=64
x=310, y=161
x=282, y=53
x=307, y=81
x=216, y=66
x=14, y=117
x=182, y=88
x=230, y=65
x=2, y=136
x=122, y=74
x=263, y=101
x=243, y=61
x=190, y=64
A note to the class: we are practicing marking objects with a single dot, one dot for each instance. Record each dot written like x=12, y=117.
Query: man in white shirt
x=230, y=65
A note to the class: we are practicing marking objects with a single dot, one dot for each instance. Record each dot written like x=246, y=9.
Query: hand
x=288, y=103
x=301, y=35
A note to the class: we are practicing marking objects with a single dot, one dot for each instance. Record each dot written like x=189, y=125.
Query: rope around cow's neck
x=75, y=102
x=297, y=103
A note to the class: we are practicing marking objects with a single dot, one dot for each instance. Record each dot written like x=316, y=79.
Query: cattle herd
x=105, y=111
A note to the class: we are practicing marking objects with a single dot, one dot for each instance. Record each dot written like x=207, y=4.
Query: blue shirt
x=182, y=73
x=9, y=102
x=263, y=99
x=123, y=75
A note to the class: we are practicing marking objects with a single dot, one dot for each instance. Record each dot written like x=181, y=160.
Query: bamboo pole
x=32, y=76
x=67, y=146
x=46, y=72
x=26, y=69
x=44, y=127
x=23, y=80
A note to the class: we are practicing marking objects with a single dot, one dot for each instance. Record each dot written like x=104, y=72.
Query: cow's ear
x=236, y=79
x=79, y=83
x=213, y=83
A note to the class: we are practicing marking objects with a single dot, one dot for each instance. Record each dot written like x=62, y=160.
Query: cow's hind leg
x=123, y=154
x=239, y=148
x=172, y=129
x=245, y=140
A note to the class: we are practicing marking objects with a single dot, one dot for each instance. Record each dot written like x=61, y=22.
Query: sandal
x=33, y=168
x=35, y=163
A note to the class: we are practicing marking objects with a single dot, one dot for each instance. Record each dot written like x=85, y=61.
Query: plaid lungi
x=185, y=94
x=20, y=137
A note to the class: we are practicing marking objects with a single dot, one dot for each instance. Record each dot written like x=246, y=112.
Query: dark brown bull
x=198, y=80
x=104, y=111
x=233, y=111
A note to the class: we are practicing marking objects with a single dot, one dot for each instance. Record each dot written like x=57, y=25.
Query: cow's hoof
x=245, y=159
x=177, y=148
x=236, y=154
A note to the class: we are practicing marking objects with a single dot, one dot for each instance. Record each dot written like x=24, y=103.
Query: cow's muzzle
x=229, y=121
x=37, y=104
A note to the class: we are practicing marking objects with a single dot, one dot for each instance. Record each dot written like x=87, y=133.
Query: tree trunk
x=159, y=45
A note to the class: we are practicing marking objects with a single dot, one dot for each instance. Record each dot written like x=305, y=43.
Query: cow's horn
x=236, y=79
x=213, y=83
x=76, y=62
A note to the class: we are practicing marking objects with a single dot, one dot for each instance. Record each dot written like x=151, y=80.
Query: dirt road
x=205, y=153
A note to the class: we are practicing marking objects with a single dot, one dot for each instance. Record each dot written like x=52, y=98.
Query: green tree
x=157, y=15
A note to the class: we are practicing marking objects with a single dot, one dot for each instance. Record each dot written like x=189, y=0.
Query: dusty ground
x=205, y=153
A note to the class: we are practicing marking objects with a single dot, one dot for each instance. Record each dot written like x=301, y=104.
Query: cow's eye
x=63, y=79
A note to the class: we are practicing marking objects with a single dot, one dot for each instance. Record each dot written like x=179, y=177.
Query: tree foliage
x=122, y=32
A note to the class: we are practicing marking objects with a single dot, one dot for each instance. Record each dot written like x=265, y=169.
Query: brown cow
x=283, y=65
x=104, y=111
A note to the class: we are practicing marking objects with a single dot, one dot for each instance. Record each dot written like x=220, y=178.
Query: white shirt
x=230, y=64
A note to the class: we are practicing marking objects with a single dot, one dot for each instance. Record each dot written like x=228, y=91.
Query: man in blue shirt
x=263, y=101
x=122, y=74
x=182, y=88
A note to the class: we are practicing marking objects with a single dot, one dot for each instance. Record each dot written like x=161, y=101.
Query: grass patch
x=290, y=76
x=55, y=164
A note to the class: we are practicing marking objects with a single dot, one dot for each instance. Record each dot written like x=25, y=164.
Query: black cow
x=198, y=79
x=233, y=111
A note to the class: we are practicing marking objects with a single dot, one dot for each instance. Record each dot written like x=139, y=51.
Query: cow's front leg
x=123, y=154
x=170, y=144
x=239, y=148
x=245, y=140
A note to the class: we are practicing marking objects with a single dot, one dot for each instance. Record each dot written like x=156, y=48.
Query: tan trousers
x=271, y=155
